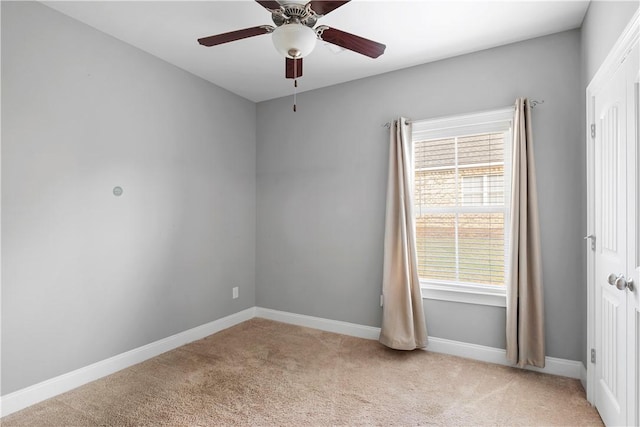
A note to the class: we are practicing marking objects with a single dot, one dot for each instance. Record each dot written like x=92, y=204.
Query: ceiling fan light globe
x=294, y=40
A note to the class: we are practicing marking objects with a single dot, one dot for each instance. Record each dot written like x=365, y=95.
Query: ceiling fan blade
x=270, y=5
x=293, y=68
x=350, y=41
x=321, y=7
x=235, y=35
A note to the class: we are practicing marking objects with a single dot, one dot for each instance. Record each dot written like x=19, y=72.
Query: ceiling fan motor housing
x=295, y=13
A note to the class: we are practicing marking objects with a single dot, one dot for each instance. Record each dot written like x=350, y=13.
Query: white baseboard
x=583, y=377
x=31, y=395
x=562, y=367
x=28, y=396
x=553, y=365
x=337, y=326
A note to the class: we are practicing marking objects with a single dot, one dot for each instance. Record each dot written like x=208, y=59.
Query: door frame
x=618, y=53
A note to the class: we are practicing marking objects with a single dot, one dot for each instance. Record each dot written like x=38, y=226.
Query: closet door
x=616, y=259
x=611, y=249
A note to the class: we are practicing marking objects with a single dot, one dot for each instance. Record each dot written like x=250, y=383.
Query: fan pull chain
x=295, y=92
x=295, y=84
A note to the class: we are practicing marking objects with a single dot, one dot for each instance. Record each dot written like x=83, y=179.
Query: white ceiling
x=415, y=32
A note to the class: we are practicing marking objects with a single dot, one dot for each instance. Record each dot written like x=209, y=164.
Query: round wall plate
x=117, y=191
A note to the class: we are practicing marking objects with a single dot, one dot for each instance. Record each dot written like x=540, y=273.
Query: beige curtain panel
x=403, y=323
x=525, y=315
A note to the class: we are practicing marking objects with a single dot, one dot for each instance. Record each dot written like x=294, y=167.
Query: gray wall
x=602, y=26
x=87, y=275
x=322, y=180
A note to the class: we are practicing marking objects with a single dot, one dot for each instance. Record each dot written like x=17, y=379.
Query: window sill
x=465, y=294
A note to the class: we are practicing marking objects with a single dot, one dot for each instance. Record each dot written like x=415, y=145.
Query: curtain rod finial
x=534, y=102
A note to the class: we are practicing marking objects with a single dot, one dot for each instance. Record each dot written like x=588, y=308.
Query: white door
x=617, y=313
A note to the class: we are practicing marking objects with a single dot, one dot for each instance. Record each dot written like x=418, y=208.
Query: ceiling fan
x=294, y=36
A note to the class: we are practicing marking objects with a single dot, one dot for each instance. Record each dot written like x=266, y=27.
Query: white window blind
x=461, y=199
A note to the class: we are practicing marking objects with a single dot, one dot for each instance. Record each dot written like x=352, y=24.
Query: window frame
x=500, y=120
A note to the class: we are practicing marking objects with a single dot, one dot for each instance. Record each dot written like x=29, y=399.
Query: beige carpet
x=268, y=373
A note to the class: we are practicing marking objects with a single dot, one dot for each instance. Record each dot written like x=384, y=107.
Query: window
x=461, y=182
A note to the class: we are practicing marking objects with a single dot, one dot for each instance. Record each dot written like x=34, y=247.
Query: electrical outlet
x=235, y=292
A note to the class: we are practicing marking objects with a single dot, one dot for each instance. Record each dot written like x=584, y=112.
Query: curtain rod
x=532, y=104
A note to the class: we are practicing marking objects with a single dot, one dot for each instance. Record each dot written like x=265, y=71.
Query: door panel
x=611, y=312
x=609, y=141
